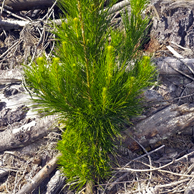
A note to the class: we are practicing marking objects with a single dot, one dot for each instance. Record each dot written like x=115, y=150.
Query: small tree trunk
x=89, y=187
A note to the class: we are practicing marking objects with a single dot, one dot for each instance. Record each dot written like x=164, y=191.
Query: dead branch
x=123, y=176
x=40, y=176
x=13, y=24
x=159, y=126
x=119, y=6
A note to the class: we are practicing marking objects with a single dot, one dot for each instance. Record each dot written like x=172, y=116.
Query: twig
x=15, y=44
x=47, y=16
x=157, y=149
x=3, y=3
x=148, y=155
x=160, y=168
x=39, y=42
x=177, y=55
x=119, y=6
x=40, y=176
x=181, y=46
x=116, y=181
x=153, y=169
x=157, y=187
x=173, y=183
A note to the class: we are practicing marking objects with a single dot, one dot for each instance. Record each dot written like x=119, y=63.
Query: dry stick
x=181, y=46
x=181, y=95
x=119, y=6
x=52, y=48
x=164, y=166
x=15, y=44
x=9, y=169
x=173, y=161
x=47, y=44
x=39, y=42
x=173, y=183
x=40, y=176
x=48, y=14
x=117, y=180
x=157, y=149
x=153, y=169
x=190, y=183
x=133, y=181
x=3, y=3
x=177, y=55
x=13, y=24
x=160, y=170
x=42, y=37
x=161, y=186
x=148, y=155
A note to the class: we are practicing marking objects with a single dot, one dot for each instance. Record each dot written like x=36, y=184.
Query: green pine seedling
x=93, y=83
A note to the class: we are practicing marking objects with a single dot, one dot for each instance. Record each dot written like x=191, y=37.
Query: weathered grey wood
x=160, y=126
x=56, y=183
x=12, y=24
x=10, y=76
x=26, y=134
x=9, y=117
x=175, y=24
x=165, y=65
x=18, y=5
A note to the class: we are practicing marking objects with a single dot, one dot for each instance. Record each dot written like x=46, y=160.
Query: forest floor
x=165, y=168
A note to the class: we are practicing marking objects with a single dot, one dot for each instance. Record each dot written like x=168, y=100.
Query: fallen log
x=19, y=5
x=26, y=134
x=163, y=124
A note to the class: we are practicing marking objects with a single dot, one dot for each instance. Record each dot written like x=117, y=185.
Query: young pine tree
x=93, y=83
